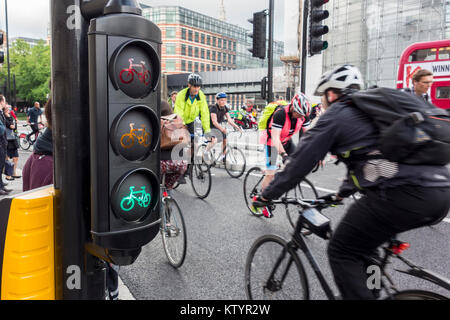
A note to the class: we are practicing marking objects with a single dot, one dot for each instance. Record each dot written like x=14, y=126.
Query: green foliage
x=31, y=65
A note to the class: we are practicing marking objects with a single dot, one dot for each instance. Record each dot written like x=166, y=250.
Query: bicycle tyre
x=252, y=287
x=304, y=192
x=416, y=295
x=24, y=144
x=175, y=260
x=251, y=191
x=229, y=166
x=200, y=172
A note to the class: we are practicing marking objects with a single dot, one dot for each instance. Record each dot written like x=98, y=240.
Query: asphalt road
x=221, y=231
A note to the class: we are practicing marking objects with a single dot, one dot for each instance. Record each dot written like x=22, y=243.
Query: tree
x=31, y=65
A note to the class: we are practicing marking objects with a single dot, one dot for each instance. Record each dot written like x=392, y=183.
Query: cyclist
x=285, y=121
x=397, y=197
x=218, y=113
x=191, y=103
x=33, y=115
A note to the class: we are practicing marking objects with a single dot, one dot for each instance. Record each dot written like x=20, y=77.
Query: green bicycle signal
x=142, y=198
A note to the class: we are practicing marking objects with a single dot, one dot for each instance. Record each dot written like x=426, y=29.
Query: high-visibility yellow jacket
x=189, y=110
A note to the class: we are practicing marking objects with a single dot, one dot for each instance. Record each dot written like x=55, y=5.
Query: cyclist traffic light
x=124, y=73
x=259, y=22
x=316, y=28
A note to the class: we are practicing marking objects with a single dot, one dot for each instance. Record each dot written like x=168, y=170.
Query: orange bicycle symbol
x=128, y=139
x=127, y=75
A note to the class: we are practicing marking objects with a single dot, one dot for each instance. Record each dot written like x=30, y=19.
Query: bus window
x=443, y=92
x=444, y=53
x=423, y=55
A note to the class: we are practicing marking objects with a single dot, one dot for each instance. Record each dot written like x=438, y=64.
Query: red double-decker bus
x=433, y=56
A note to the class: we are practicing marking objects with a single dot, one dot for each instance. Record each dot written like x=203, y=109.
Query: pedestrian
x=38, y=170
x=34, y=114
x=172, y=98
x=3, y=145
x=422, y=81
x=13, y=146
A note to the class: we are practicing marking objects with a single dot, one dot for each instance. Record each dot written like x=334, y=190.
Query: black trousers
x=373, y=220
x=34, y=130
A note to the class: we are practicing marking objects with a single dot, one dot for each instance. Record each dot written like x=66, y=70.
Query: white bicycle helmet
x=301, y=104
x=340, y=78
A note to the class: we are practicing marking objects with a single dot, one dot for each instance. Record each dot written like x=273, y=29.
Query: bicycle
x=26, y=143
x=199, y=173
x=128, y=139
x=252, y=187
x=234, y=159
x=276, y=275
x=172, y=228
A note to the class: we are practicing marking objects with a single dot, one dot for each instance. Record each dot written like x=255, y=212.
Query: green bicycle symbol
x=142, y=198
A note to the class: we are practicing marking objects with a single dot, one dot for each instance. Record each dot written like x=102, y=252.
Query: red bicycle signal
x=127, y=75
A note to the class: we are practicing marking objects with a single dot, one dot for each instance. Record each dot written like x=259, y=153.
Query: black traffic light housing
x=2, y=42
x=124, y=95
x=259, y=22
x=316, y=28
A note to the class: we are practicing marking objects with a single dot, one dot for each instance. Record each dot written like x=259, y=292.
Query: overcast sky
x=30, y=18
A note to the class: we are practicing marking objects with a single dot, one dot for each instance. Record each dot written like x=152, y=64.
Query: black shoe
x=182, y=180
x=6, y=190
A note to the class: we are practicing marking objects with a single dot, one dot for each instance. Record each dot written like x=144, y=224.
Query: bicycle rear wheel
x=252, y=187
x=304, y=190
x=200, y=176
x=173, y=233
x=274, y=271
x=417, y=295
x=235, y=162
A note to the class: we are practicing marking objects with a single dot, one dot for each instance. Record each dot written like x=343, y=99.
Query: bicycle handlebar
x=304, y=203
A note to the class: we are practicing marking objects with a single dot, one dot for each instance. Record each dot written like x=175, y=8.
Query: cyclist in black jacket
x=397, y=197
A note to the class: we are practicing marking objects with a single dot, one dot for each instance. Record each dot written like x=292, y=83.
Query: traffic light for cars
x=124, y=73
x=2, y=42
x=259, y=22
x=316, y=28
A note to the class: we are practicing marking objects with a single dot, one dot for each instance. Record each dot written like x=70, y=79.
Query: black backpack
x=412, y=131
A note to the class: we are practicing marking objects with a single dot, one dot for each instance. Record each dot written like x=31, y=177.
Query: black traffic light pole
x=79, y=275
x=304, y=42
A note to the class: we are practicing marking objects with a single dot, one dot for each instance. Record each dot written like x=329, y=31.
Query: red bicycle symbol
x=127, y=75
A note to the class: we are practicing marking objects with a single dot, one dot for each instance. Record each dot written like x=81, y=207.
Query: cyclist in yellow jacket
x=191, y=103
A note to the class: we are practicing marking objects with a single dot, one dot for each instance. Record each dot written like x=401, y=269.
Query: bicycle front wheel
x=273, y=271
x=252, y=187
x=416, y=295
x=173, y=232
x=304, y=190
x=24, y=143
x=235, y=162
x=200, y=177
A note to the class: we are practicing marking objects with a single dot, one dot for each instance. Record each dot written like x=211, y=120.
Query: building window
x=183, y=34
x=214, y=56
x=171, y=48
x=219, y=56
x=190, y=35
x=202, y=67
x=214, y=42
x=230, y=45
x=224, y=44
x=219, y=68
x=171, y=33
x=208, y=54
x=196, y=67
x=183, y=65
x=234, y=59
x=202, y=54
x=189, y=66
x=208, y=40
x=196, y=37
x=190, y=51
x=183, y=50
x=196, y=52
x=219, y=43
x=208, y=68
x=213, y=68
x=202, y=37
x=171, y=65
